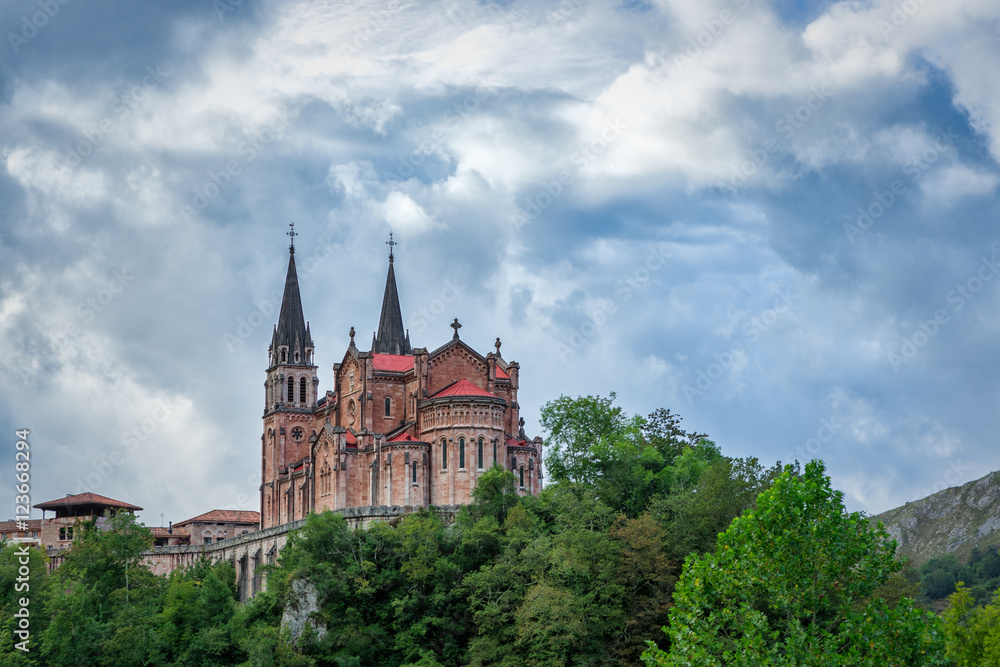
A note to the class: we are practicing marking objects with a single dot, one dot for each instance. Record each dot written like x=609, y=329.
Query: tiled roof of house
x=160, y=531
x=224, y=516
x=392, y=362
x=462, y=388
x=11, y=526
x=403, y=437
x=87, y=498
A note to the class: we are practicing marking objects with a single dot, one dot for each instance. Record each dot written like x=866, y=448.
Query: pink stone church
x=401, y=426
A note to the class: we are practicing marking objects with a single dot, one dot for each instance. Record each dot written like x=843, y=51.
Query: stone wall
x=249, y=552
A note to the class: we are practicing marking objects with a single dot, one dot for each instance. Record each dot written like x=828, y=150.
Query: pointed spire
x=391, y=338
x=292, y=329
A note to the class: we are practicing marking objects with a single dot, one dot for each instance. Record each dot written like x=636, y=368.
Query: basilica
x=401, y=426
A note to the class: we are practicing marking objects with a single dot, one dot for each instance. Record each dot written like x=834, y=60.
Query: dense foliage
x=584, y=574
x=981, y=575
x=789, y=583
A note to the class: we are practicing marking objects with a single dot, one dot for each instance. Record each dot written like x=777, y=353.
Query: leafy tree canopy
x=780, y=588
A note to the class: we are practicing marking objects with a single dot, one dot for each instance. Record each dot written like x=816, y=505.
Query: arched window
x=522, y=476
x=414, y=466
x=444, y=454
x=388, y=406
x=284, y=356
x=302, y=390
x=461, y=452
x=494, y=451
x=480, y=454
x=291, y=390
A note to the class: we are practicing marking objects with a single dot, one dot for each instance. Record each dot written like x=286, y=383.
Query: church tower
x=391, y=337
x=289, y=402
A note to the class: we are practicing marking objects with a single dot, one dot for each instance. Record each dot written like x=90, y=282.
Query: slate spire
x=292, y=329
x=391, y=338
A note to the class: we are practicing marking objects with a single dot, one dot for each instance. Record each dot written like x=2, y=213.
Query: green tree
x=14, y=587
x=973, y=634
x=628, y=460
x=780, y=586
x=101, y=576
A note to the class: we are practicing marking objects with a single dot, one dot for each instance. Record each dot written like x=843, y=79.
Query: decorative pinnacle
x=456, y=326
x=352, y=335
x=392, y=244
x=497, y=345
x=291, y=233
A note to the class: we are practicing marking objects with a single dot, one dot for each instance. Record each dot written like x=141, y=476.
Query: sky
x=777, y=219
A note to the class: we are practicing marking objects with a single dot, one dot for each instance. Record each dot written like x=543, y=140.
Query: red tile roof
x=403, y=437
x=11, y=526
x=160, y=531
x=392, y=362
x=86, y=499
x=462, y=388
x=224, y=516
x=352, y=441
x=502, y=374
x=511, y=442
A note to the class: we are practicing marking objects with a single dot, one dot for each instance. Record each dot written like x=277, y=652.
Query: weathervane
x=291, y=233
x=392, y=244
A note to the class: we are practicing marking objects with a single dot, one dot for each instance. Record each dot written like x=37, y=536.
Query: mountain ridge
x=953, y=520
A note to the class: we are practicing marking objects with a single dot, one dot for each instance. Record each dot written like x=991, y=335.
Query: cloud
x=620, y=192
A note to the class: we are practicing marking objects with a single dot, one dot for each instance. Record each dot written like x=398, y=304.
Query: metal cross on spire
x=291, y=233
x=456, y=326
x=392, y=244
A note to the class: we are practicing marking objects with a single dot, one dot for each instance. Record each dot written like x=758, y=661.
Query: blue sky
x=778, y=220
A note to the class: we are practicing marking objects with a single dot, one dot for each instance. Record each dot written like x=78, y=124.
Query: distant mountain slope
x=949, y=521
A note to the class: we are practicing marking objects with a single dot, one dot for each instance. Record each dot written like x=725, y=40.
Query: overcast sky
x=777, y=219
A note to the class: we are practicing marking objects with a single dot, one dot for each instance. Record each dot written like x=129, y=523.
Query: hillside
x=951, y=521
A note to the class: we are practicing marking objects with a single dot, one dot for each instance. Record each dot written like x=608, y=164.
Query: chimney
x=170, y=528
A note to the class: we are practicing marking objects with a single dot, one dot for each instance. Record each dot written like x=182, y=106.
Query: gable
x=453, y=362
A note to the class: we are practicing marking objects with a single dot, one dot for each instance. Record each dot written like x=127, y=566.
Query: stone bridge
x=249, y=552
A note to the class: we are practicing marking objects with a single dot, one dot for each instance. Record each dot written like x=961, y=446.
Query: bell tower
x=289, y=402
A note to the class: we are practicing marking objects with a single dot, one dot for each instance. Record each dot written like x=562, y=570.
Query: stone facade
x=401, y=425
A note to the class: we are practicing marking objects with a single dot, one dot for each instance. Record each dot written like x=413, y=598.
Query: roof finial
x=352, y=335
x=456, y=326
x=497, y=345
x=392, y=244
x=291, y=233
